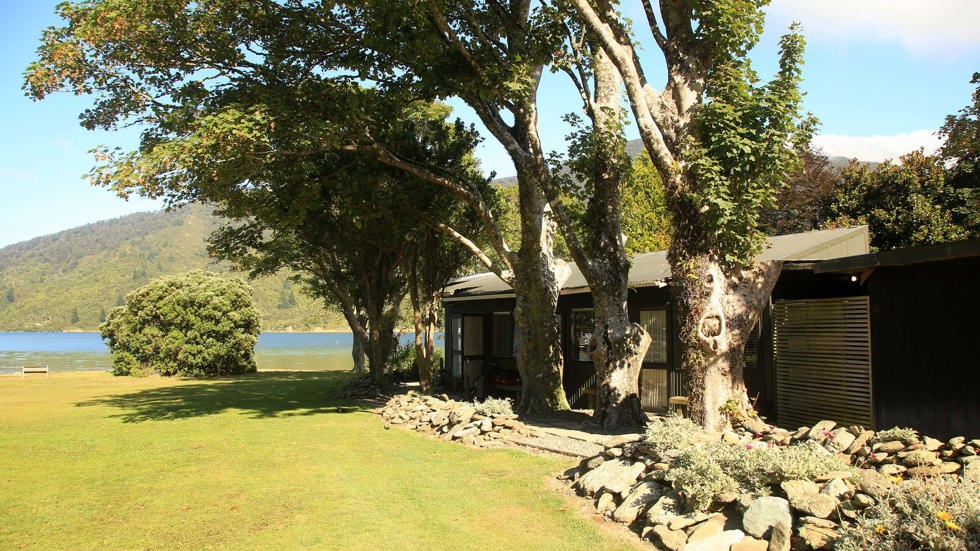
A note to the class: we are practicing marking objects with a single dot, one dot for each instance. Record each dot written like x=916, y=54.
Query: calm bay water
x=87, y=352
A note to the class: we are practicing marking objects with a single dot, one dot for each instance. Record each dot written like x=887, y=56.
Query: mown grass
x=267, y=461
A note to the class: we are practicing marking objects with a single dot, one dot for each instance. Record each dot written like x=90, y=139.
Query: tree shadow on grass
x=259, y=395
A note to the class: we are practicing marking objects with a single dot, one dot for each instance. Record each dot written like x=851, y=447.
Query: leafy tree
x=802, y=202
x=268, y=137
x=962, y=148
x=646, y=221
x=721, y=142
x=194, y=324
x=904, y=205
x=10, y=295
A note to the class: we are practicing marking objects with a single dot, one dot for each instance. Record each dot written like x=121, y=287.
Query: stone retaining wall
x=627, y=481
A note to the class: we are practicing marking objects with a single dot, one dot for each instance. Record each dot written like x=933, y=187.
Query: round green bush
x=194, y=324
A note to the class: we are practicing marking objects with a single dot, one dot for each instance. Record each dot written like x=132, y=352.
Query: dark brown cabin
x=480, y=336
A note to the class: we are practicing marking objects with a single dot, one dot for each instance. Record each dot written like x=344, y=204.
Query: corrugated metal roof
x=652, y=269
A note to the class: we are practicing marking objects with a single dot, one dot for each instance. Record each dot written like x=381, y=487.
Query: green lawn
x=91, y=461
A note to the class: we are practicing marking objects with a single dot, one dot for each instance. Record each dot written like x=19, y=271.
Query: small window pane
x=456, y=337
x=503, y=335
x=655, y=322
x=583, y=323
x=473, y=335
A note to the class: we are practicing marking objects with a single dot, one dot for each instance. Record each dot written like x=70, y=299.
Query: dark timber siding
x=925, y=347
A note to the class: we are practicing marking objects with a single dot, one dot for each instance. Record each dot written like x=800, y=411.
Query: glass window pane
x=503, y=334
x=473, y=335
x=583, y=323
x=456, y=338
x=655, y=322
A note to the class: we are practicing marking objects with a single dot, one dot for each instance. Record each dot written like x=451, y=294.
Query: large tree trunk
x=717, y=312
x=617, y=348
x=357, y=352
x=538, y=277
x=539, y=358
x=618, y=345
x=425, y=326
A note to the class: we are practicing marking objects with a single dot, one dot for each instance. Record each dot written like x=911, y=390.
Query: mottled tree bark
x=717, y=309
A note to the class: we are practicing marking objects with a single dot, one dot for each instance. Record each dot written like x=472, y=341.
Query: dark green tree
x=962, y=149
x=904, y=205
x=73, y=319
x=10, y=295
x=802, y=202
x=194, y=324
x=646, y=220
x=266, y=135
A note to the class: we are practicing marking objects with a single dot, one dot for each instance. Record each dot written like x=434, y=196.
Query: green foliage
x=938, y=513
x=962, y=148
x=646, y=220
x=739, y=148
x=904, y=205
x=673, y=433
x=704, y=468
x=404, y=366
x=494, y=406
x=699, y=477
x=190, y=325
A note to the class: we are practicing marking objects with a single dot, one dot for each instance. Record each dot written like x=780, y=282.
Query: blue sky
x=880, y=74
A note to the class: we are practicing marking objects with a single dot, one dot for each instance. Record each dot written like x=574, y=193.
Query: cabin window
x=655, y=322
x=505, y=341
x=583, y=323
x=472, y=335
x=456, y=338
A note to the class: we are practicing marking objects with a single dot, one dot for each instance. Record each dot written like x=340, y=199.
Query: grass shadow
x=259, y=395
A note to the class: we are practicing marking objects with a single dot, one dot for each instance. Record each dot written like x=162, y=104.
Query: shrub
x=673, y=433
x=941, y=513
x=698, y=477
x=194, y=324
x=907, y=436
x=403, y=365
x=494, y=406
x=704, y=468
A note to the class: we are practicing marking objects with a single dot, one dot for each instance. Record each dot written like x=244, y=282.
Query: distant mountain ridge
x=71, y=279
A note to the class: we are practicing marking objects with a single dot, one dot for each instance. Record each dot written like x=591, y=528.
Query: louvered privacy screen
x=822, y=352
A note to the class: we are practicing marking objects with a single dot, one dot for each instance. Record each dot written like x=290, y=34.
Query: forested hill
x=70, y=280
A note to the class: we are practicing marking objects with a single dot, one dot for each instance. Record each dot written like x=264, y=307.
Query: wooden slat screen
x=822, y=353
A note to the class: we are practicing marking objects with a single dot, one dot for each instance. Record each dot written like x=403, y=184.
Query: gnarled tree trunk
x=617, y=348
x=718, y=309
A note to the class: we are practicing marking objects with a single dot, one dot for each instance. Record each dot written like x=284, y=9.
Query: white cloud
x=877, y=148
x=938, y=27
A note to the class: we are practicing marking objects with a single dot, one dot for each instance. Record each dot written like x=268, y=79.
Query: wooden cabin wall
x=925, y=348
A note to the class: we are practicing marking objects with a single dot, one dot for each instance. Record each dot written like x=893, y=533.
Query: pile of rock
x=627, y=482
x=453, y=420
x=360, y=387
x=891, y=452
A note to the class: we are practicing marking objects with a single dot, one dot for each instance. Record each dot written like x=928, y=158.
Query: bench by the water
x=27, y=369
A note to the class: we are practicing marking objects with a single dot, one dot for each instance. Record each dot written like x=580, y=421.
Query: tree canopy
x=904, y=204
x=194, y=324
